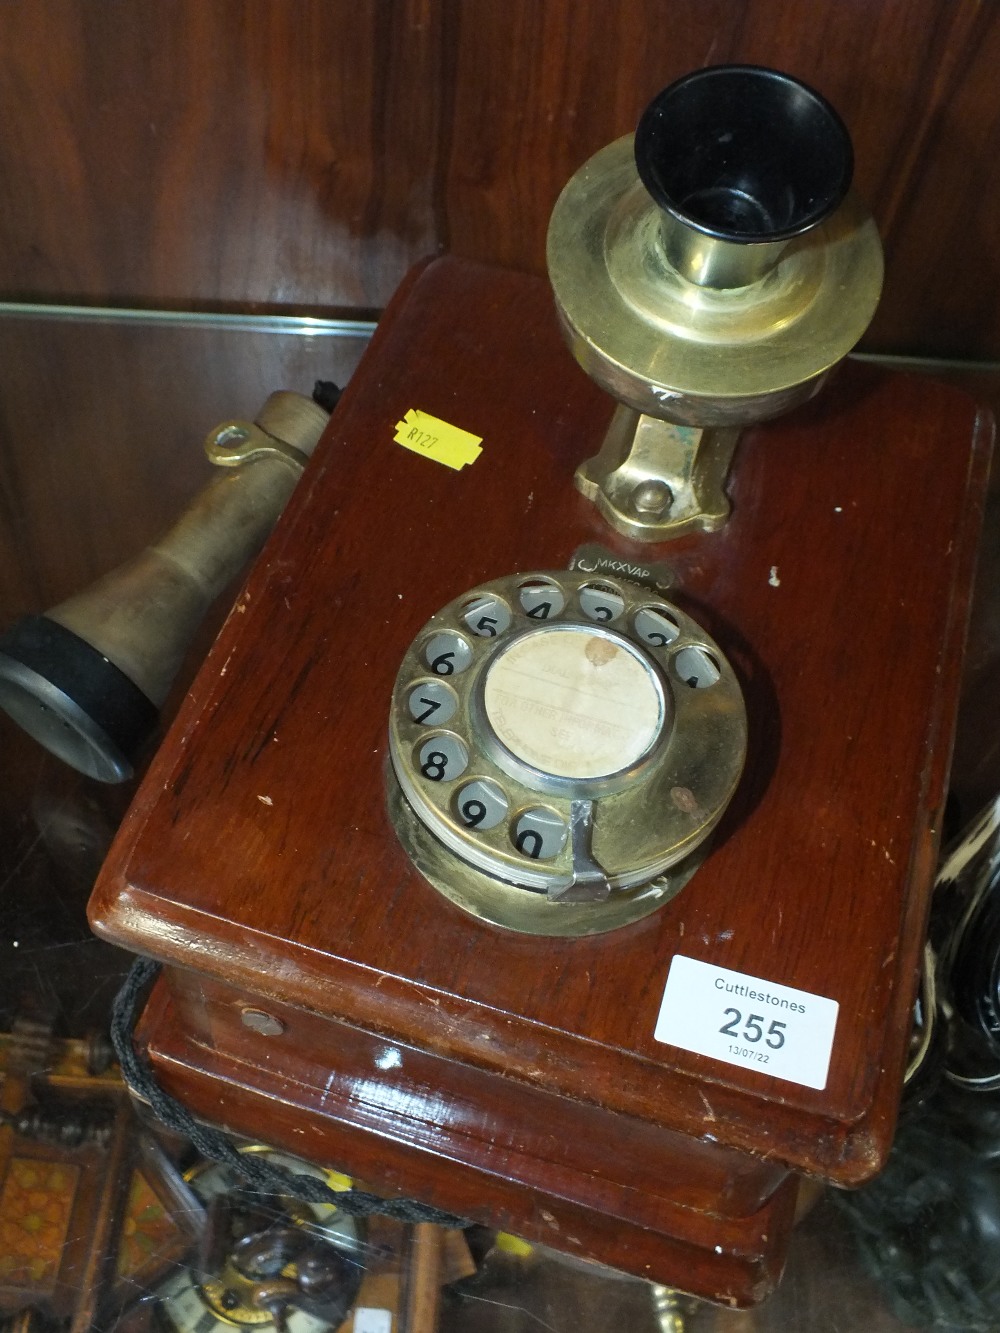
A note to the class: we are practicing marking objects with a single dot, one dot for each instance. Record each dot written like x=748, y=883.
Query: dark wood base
x=584, y=1209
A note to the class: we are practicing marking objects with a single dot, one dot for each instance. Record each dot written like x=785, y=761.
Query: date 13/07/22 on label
x=744, y=1020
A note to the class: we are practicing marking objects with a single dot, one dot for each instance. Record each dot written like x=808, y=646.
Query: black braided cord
x=259, y=1174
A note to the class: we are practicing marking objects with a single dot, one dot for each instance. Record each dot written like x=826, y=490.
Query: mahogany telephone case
x=538, y=1082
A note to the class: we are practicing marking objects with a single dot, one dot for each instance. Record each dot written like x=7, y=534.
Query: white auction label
x=367, y=1319
x=747, y=1021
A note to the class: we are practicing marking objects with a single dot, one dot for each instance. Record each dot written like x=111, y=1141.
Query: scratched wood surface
x=281, y=155
x=259, y=852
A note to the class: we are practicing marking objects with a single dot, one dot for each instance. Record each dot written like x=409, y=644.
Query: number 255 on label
x=743, y=1020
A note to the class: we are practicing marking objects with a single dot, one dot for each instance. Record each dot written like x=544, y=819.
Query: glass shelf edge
x=294, y=325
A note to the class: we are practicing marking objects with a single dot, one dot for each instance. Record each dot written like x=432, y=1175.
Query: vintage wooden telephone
x=560, y=853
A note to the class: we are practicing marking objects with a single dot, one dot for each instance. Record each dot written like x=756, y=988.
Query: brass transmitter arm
x=708, y=273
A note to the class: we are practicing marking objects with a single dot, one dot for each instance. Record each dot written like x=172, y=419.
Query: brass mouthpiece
x=741, y=160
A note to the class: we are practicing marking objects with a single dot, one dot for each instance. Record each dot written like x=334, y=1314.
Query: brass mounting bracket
x=653, y=480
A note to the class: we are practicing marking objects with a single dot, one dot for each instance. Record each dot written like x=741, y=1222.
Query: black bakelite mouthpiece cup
x=73, y=700
x=744, y=154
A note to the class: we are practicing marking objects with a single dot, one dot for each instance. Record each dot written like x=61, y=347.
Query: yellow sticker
x=436, y=439
x=513, y=1245
x=338, y=1182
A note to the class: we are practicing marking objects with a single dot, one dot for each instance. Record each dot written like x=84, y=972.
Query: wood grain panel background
x=293, y=154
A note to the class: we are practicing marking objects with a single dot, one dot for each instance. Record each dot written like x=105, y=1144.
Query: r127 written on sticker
x=744, y=1020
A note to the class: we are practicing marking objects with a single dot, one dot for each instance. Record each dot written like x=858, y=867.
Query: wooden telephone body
x=514, y=1078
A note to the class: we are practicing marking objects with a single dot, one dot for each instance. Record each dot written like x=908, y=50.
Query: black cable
x=261, y=1175
x=327, y=394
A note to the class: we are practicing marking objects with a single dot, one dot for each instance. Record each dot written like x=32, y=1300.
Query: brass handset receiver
x=88, y=678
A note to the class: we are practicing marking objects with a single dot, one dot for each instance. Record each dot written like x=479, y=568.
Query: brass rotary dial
x=573, y=739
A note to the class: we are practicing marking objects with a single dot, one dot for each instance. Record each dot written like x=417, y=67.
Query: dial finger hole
x=696, y=667
x=656, y=626
x=486, y=616
x=447, y=654
x=601, y=602
x=541, y=599
x=539, y=833
x=432, y=703
x=481, y=804
x=442, y=758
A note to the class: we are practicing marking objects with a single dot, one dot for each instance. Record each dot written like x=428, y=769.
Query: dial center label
x=574, y=702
